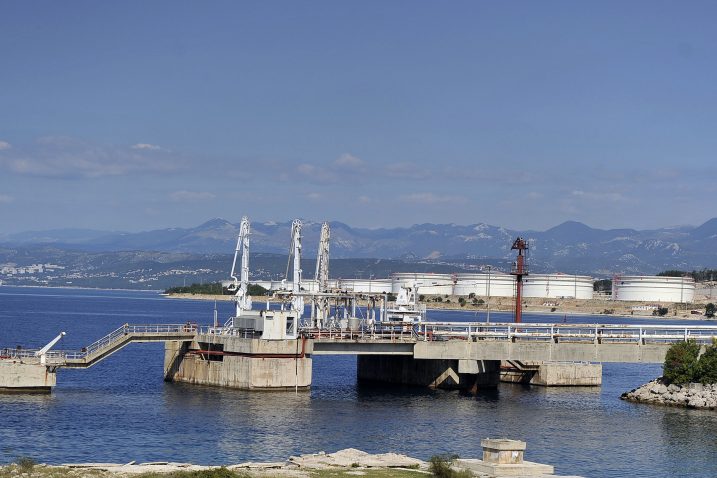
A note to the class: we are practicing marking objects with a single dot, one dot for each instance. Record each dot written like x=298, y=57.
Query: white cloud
x=191, y=196
x=431, y=199
x=349, y=162
x=406, y=170
x=147, y=146
x=314, y=196
x=316, y=174
x=5, y=199
x=61, y=156
x=598, y=196
x=4, y=145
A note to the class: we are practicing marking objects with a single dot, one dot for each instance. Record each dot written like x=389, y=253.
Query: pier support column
x=18, y=377
x=552, y=374
x=244, y=363
x=433, y=373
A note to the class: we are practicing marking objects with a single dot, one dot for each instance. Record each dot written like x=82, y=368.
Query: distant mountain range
x=571, y=247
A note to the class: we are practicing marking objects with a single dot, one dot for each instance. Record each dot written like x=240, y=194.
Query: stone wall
x=691, y=395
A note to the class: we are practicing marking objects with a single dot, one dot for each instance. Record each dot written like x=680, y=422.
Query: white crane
x=42, y=353
x=297, y=302
x=322, y=259
x=320, y=306
x=241, y=285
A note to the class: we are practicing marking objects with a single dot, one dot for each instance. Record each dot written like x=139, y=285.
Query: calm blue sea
x=121, y=409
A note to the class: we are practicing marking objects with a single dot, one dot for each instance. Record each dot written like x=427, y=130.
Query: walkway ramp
x=109, y=344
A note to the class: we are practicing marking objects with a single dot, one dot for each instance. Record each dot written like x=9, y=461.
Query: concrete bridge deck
x=511, y=341
x=429, y=340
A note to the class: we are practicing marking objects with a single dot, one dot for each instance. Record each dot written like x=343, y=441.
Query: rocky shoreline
x=347, y=463
x=691, y=395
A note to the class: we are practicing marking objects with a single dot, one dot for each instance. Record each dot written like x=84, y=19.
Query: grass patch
x=214, y=473
x=42, y=471
x=369, y=473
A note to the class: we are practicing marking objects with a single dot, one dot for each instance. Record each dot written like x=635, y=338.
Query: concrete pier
x=552, y=374
x=19, y=377
x=440, y=373
x=243, y=363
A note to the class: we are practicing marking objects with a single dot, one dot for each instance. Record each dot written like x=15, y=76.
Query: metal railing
x=557, y=333
x=124, y=333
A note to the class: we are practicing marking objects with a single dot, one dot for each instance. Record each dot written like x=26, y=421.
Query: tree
x=462, y=301
x=602, y=285
x=710, y=310
x=681, y=362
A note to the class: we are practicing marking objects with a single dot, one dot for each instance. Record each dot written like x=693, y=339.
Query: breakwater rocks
x=691, y=395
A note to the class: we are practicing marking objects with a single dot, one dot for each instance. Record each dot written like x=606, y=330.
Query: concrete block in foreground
x=504, y=457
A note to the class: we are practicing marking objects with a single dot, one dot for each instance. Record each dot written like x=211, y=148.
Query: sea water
x=121, y=409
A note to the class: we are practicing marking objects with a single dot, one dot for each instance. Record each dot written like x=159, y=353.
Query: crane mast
x=297, y=302
x=322, y=259
x=319, y=304
x=241, y=285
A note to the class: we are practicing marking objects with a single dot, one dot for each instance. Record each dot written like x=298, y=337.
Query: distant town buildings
x=11, y=269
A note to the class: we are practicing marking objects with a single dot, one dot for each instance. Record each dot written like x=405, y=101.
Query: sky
x=141, y=115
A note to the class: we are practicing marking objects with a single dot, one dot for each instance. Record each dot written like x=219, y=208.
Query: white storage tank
x=653, y=288
x=495, y=284
x=368, y=286
x=427, y=283
x=556, y=286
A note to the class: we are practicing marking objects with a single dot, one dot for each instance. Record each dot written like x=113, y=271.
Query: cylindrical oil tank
x=556, y=286
x=266, y=284
x=653, y=288
x=368, y=286
x=495, y=284
x=427, y=283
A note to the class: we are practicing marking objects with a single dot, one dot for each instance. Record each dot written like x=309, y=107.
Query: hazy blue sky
x=140, y=115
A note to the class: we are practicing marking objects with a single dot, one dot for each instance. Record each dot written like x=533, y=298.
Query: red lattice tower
x=519, y=269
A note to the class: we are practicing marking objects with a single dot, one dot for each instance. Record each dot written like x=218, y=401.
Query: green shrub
x=440, y=466
x=25, y=464
x=681, y=363
x=707, y=365
x=661, y=311
x=710, y=310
